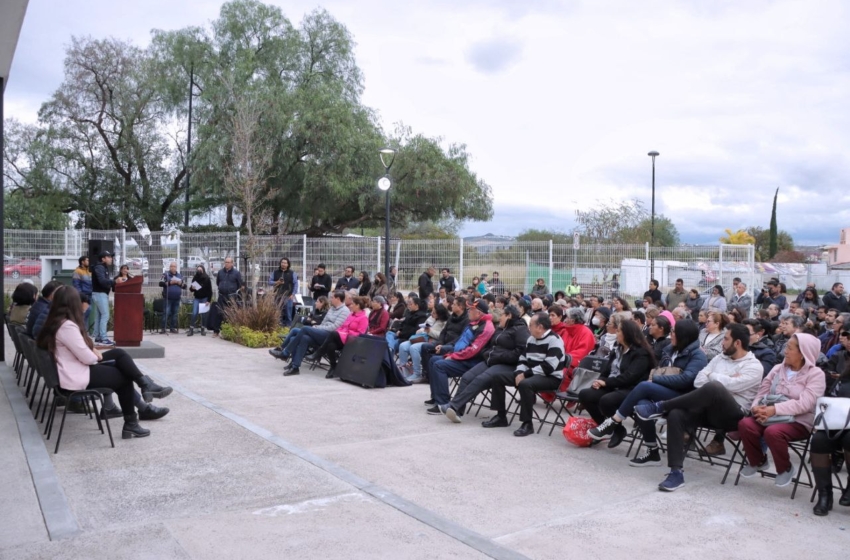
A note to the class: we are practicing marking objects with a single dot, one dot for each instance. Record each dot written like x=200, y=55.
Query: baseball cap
x=106, y=254
x=481, y=305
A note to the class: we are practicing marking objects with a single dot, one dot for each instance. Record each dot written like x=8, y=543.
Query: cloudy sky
x=559, y=101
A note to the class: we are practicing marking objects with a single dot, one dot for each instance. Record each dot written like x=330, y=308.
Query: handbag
x=667, y=370
x=833, y=415
x=582, y=379
x=771, y=399
x=575, y=431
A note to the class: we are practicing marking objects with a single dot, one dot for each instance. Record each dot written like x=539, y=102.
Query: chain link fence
x=600, y=269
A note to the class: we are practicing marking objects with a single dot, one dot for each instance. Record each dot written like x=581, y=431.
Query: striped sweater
x=543, y=356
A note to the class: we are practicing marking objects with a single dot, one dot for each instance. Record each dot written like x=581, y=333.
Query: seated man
x=540, y=368
x=725, y=389
x=451, y=333
x=315, y=336
x=466, y=355
x=760, y=344
x=414, y=316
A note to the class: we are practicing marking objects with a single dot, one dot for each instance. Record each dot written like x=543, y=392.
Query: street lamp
x=384, y=183
x=653, y=154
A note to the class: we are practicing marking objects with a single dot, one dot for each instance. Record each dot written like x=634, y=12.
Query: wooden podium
x=129, y=312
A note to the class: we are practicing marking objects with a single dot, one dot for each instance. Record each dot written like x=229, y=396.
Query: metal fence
x=599, y=268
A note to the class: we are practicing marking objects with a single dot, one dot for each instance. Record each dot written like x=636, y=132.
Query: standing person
x=653, y=292
x=81, y=280
x=677, y=295
x=229, y=282
x=483, y=287
x=426, y=284
x=615, y=285
x=392, y=282
x=320, y=284
x=835, y=299
x=573, y=288
x=694, y=303
x=102, y=284
x=497, y=287
x=347, y=281
x=772, y=294
x=285, y=283
x=172, y=285
x=448, y=281
x=202, y=295
x=742, y=301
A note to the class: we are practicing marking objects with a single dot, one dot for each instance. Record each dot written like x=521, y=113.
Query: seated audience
x=355, y=324
x=308, y=337
x=658, y=335
x=38, y=312
x=412, y=348
x=716, y=301
x=23, y=297
x=401, y=331
x=379, y=319
x=365, y=284
x=379, y=286
x=711, y=338
x=451, y=333
x=760, y=344
x=320, y=309
x=540, y=288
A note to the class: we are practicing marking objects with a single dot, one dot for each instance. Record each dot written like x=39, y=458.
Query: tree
x=666, y=234
x=784, y=242
x=789, y=257
x=774, y=244
x=22, y=211
x=740, y=237
x=557, y=237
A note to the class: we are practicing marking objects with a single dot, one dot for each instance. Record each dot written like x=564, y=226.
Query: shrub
x=251, y=338
x=263, y=316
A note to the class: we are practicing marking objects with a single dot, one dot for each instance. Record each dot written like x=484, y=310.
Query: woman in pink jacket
x=81, y=366
x=796, y=383
x=355, y=324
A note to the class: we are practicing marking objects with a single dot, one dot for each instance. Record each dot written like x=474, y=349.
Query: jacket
x=378, y=322
x=354, y=325
x=694, y=305
x=206, y=286
x=658, y=345
x=741, y=377
x=101, y=282
x=765, y=352
x=674, y=298
x=316, y=317
x=473, y=340
x=82, y=281
x=803, y=389
x=426, y=286
x=539, y=291
x=350, y=283
x=741, y=303
x=578, y=343
x=410, y=324
x=634, y=368
x=507, y=344
x=228, y=281
x=691, y=361
x=715, y=303
x=398, y=311
x=324, y=283
x=40, y=307
x=288, y=282
x=454, y=328
x=543, y=356
x=334, y=318
x=766, y=299
x=73, y=357
x=365, y=288
x=836, y=364
x=654, y=294
x=832, y=301
x=449, y=283
x=378, y=290
x=714, y=346
x=172, y=292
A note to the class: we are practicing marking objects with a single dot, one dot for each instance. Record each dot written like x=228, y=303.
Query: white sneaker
x=786, y=478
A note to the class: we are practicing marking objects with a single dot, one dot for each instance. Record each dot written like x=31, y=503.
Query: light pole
x=384, y=184
x=653, y=154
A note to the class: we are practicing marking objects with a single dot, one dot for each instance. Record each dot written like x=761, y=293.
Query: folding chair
x=28, y=346
x=801, y=449
x=563, y=399
x=18, y=363
x=18, y=355
x=158, y=312
x=47, y=369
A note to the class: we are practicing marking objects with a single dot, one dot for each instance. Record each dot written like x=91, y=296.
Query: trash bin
x=64, y=276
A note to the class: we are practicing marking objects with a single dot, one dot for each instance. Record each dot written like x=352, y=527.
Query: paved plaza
x=250, y=464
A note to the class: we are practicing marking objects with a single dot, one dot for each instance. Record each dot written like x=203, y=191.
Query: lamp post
x=653, y=154
x=384, y=183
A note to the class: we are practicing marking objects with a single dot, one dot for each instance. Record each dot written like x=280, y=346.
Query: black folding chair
x=801, y=449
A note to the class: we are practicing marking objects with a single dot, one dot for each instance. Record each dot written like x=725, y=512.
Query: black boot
x=151, y=390
x=132, y=428
x=845, y=496
x=823, y=482
x=153, y=412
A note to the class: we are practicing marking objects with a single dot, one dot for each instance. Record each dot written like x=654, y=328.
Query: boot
x=845, y=496
x=823, y=482
x=151, y=390
x=203, y=331
x=132, y=428
x=153, y=412
x=191, y=332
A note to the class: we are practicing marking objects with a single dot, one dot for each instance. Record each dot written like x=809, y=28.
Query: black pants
x=823, y=445
x=217, y=313
x=330, y=347
x=119, y=377
x=712, y=405
x=476, y=380
x=527, y=389
x=602, y=403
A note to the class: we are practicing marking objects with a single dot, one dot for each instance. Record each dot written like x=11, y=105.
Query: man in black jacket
x=229, y=282
x=284, y=280
x=653, y=291
x=426, y=285
x=320, y=284
x=413, y=317
x=450, y=334
x=102, y=283
x=448, y=281
x=500, y=357
x=835, y=299
x=347, y=281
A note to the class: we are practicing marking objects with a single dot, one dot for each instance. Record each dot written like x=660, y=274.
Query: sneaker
x=603, y=430
x=277, y=353
x=675, y=480
x=649, y=411
x=434, y=410
x=650, y=457
x=785, y=478
x=429, y=402
x=443, y=408
x=107, y=342
x=413, y=378
x=749, y=471
x=715, y=448
x=453, y=414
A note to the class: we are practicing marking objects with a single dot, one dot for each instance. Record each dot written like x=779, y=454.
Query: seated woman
x=354, y=325
x=716, y=301
x=379, y=319
x=628, y=365
x=23, y=297
x=790, y=390
x=599, y=321
x=412, y=348
x=365, y=284
x=81, y=366
x=711, y=338
x=608, y=340
x=396, y=307
x=320, y=309
x=810, y=301
x=683, y=353
x=621, y=305
x=825, y=444
x=694, y=303
x=658, y=335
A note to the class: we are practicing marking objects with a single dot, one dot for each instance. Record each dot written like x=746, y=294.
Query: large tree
x=784, y=242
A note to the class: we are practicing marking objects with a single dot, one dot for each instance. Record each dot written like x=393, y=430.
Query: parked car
x=166, y=263
x=138, y=263
x=24, y=267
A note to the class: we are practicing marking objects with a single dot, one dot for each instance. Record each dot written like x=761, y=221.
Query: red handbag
x=575, y=431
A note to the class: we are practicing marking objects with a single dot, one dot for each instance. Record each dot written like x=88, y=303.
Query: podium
x=129, y=312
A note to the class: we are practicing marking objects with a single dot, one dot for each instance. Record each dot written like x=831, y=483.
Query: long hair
x=66, y=306
x=380, y=279
x=634, y=338
x=202, y=274
x=687, y=332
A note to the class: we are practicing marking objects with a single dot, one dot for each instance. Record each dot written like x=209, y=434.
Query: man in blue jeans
x=102, y=284
x=172, y=285
x=315, y=336
x=466, y=354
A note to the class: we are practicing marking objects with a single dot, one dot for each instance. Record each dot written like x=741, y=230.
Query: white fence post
x=460, y=266
x=179, y=267
x=304, y=260
x=123, y=246
x=551, y=266
x=648, y=266
x=236, y=258
x=720, y=268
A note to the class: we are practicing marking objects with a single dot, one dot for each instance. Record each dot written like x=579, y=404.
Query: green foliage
x=263, y=316
x=774, y=241
x=624, y=222
x=251, y=338
x=557, y=237
x=784, y=242
x=23, y=211
x=666, y=234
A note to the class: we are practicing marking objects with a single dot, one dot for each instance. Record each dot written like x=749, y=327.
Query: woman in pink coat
x=355, y=324
x=796, y=384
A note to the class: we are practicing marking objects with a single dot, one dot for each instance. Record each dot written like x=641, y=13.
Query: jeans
x=172, y=308
x=288, y=344
x=416, y=356
x=100, y=302
x=427, y=352
x=196, y=304
x=286, y=312
x=404, y=352
x=309, y=336
x=441, y=370
x=646, y=391
x=392, y=340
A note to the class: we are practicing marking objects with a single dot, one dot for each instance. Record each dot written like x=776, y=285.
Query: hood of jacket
x=809, y=347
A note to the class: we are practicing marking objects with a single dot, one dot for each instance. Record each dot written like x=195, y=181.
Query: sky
x=558, y=102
